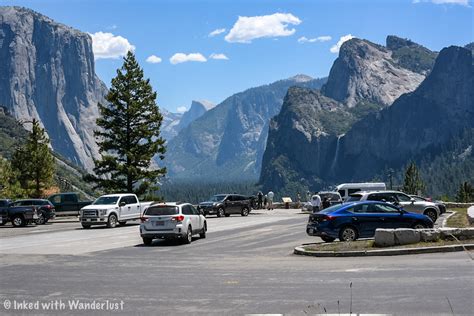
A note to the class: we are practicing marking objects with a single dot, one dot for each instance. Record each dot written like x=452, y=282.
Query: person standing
x=316, y=202
x=270, y=196
x=259, y=199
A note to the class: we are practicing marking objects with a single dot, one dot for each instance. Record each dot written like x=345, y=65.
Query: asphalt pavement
x=244, y=266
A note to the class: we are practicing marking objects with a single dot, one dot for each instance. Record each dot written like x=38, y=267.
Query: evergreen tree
x=465, y=193
x=10, y=187
x=129, y=134
x=413, y=182
x=34, y=162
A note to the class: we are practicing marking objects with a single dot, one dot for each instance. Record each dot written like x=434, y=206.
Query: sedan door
x=408, y=203
x=392, y=216
x=365, y=220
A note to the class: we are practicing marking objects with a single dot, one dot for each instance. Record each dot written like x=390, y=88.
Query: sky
x=209, y=50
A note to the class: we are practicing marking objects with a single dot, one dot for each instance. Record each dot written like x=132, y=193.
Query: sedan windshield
x=106, y=200
x=217, y=198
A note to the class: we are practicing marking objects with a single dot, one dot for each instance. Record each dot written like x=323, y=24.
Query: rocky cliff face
x=368, y=72
x=418, y=124
x=47, y=72
x=228, y=141
x=303, y=152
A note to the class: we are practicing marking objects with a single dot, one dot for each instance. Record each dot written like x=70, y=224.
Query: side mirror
x=122, y=204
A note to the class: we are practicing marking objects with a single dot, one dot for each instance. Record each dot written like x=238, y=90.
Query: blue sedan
x=350, y=221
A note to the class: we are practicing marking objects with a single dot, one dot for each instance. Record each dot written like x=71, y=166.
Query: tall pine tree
x=34, y=162
x=465, y=193
x=129, y=134
x=413, y=182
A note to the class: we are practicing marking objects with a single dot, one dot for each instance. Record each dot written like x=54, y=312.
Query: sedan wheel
x=245, y=211
x=431, y=214
x=419, y=226
x=40, y=220
x=348, y=234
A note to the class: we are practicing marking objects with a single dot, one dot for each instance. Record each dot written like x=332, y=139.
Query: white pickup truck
x=112, y=209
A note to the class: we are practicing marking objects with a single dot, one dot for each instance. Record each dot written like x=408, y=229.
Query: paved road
x=244, y=266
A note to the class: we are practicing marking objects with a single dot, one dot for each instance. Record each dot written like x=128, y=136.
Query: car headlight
x=102, y=212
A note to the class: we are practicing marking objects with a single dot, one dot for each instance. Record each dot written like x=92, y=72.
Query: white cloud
x=460, y=2
x=106, y=45
x=181, y=109
x=153, y=59
x=219, y=56
x=216, y=32
x=345, y=38
x=182, y=58
x=304, y=39
x=248, y=28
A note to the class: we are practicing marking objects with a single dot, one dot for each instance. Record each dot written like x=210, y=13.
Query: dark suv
x=44, y=208
x=226, y=204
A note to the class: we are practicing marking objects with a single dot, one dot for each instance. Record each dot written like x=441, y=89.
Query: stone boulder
x=429, y=235
x=406, y=236
x=384, y=237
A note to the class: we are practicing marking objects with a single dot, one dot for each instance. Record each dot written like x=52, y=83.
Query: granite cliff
x=47, y=72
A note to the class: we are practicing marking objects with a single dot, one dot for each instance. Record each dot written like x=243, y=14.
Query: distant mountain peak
x=301, y=78
x=205, y=103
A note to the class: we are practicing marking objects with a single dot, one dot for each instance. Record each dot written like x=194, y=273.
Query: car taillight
x=178, y=218
x=144, y=219
x=328, y=218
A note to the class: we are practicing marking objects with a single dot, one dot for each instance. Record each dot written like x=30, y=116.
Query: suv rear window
x=354, y=198
x=161, y=210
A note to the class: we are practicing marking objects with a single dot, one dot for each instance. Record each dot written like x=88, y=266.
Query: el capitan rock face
x=47, y=72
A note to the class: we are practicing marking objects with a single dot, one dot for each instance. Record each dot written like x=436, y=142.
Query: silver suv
x=408, y=203
x=172, y=220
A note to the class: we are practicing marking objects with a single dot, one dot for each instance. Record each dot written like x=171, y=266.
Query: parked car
x=225, y=205
x=69, y=203
x=441, y=206
x=112, y=209
x=171, y=220
x=354, y=220
x=17, y=215
x=334, y=197
x=399, y=198
x=346, y=189
x=44, y=208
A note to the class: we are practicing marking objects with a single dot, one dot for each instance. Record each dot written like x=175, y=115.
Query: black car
x=18, y=215
x=45, y=209
x=226, y=204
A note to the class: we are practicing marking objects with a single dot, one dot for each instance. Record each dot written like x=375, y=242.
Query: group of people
x=265, y=201
x=317, y=204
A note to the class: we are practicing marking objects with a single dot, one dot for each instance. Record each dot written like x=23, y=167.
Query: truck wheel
x=147, y=241
x=220, y=212
x=203, y=233
x=112, y=221
x=18, y=221
x=188, y=238
x=122, y=223
x=245, y=211
x=86, y=226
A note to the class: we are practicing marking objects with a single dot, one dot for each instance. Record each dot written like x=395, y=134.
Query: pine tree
x=34, y=162
x=465, y=193
x=129, y=134
x=413, y=182
x=10, y=187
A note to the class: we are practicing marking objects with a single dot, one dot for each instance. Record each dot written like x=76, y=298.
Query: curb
x=383, y=252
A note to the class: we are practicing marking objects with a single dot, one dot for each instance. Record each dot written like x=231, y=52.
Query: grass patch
x=360, y=245
x=459, y=219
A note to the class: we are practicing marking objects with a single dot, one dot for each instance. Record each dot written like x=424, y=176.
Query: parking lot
x=244, y=266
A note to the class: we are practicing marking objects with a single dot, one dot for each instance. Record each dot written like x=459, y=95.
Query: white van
x=347, y=189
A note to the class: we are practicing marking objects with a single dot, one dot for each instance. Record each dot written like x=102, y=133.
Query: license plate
x=158, y=223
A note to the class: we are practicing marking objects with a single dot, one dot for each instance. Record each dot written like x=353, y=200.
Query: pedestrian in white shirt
x=270, y=196
x=316, y=203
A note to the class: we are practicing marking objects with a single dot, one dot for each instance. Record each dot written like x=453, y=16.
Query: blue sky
x=260, y=49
